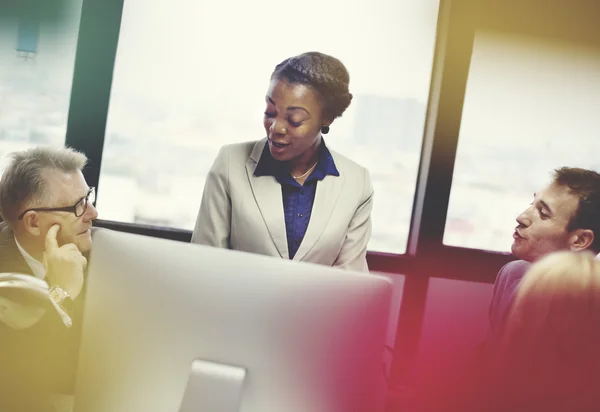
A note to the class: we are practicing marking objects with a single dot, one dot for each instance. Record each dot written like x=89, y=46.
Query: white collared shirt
x=36, y=267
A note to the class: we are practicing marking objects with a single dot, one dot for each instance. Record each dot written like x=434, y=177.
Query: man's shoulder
x=505, y=288
x=510, y=275
x=513, y=270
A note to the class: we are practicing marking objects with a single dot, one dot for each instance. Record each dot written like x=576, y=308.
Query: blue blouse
x=297, y=199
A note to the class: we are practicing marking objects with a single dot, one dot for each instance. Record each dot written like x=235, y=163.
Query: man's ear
x=31, y=223
x=581, y=239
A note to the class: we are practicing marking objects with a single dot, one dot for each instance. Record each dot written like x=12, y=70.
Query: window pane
x=36, y=72
x=191, y=76
x=531, y=106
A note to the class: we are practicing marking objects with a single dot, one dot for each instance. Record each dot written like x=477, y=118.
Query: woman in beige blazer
x=288, y=195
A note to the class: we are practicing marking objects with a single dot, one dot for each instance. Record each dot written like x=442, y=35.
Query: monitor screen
x=172, y=326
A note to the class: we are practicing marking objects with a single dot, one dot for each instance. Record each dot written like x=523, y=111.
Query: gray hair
x=22, y=180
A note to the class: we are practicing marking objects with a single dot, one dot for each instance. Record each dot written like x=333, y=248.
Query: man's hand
x=64, y=265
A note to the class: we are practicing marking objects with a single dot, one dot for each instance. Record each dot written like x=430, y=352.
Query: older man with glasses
x=48, y=209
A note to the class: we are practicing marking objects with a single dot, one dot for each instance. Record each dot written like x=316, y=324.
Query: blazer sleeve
x=353, y=255
x=213, y=224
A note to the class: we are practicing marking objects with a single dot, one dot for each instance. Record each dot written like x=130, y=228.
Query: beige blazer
x=243, y=212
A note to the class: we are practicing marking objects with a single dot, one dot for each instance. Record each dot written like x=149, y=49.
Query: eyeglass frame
x=72, y=209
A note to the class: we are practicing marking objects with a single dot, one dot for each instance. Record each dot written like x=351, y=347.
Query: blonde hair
x=22, y=180
x=552, y=339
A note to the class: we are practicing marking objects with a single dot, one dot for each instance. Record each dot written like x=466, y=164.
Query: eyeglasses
x=78, y=209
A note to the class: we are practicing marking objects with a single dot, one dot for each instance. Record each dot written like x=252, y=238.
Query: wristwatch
x=60, y=297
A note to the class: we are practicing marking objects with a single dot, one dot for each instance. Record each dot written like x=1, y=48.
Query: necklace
x=307, y=172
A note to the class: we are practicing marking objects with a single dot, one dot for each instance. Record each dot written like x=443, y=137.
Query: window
x=531, y=105
x=37, y=60
x=191, y=76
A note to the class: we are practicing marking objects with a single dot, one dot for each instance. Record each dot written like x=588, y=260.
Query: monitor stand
x=213, y=387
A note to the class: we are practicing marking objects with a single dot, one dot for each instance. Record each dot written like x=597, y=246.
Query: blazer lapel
x=268, y=197
x=326, y=197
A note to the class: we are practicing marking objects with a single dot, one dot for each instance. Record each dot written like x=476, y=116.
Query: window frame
x=92, y=81
x=426, y=256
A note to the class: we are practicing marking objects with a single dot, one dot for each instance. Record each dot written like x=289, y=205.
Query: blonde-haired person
x=548, y=359
x=549, y=356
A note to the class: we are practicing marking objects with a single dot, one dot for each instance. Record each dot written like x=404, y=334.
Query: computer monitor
x=172, y=326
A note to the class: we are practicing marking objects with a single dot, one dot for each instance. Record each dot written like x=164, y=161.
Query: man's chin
x=84, y=242
x=514, y=249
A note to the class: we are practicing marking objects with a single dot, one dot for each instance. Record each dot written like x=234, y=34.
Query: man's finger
x=70, y=247
x=51, y=242
x=75, y=256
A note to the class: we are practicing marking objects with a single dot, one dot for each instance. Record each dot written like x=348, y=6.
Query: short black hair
x=325, y=74
x=586, y=185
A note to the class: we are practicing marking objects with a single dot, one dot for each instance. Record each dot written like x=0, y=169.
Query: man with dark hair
x=565, y=215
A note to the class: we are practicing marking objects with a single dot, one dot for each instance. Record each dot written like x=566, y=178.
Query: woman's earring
x=325, y=129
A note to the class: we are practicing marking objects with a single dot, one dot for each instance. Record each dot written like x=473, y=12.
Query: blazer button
x=299, y=214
